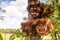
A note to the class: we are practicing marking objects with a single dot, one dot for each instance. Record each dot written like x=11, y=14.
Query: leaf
x=12, y=37
x=4, y=11
x=1, y=37
x=18, y=33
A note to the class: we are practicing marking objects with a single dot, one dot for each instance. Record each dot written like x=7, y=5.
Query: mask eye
x=31, y=9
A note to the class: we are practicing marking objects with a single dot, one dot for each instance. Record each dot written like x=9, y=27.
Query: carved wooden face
x=26, y=28
x=34, y=8
x=47, y=11
x=35, y=15
x=41, y=27
x=38, y=26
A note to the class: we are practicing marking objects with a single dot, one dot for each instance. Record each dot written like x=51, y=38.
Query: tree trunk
x=34, y=38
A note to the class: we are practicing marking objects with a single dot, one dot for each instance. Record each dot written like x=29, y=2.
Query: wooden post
x=34, y=37
x=30, y=18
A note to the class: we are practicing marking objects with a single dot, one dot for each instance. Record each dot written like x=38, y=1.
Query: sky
x=15, y=12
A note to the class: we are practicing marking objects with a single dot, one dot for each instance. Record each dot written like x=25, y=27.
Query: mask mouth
x=42, y=29
x=35, y=16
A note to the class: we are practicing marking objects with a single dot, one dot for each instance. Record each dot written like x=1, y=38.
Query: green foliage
x=18, y=34
x=55, y=18
x=12, y=37
x=56, y=21
x=59, y=36
x=1, y=37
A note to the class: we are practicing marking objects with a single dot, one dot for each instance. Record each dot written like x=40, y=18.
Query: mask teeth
x=45, y=28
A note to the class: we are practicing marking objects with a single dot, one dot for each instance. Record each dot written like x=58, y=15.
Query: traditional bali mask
x=47, y=11
x=34, y=7
x=38, y=26
x=42, y=27
x=26, y=28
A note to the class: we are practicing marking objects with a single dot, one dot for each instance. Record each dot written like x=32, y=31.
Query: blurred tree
x=55, y=17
